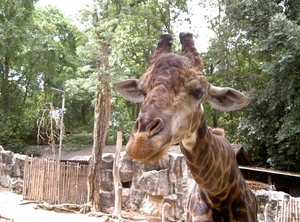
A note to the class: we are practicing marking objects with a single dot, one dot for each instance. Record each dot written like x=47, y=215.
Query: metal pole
x=61, y=125
x=61, y=120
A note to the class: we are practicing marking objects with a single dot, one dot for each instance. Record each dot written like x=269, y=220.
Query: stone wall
x=146, y=187
x=11, y=170
x=168, y=180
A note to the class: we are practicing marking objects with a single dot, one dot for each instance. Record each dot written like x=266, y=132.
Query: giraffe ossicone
x=172, y=91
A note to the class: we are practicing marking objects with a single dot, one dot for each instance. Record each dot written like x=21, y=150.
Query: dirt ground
x=10, y=203
x=10, y=208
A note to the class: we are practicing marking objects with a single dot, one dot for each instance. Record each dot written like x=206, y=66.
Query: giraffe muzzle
x=149, y=140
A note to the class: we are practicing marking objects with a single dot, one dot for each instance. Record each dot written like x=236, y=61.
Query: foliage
x=139, y=26
x=38, y=52
x=278, y=124
x=258, y=42
x=42, y=49
x=15, y=19
x=229, y=62
x=255, y=50
x=77, y=141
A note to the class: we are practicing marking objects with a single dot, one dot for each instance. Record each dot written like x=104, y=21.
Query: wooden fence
x=287, y=210
x=55, y=182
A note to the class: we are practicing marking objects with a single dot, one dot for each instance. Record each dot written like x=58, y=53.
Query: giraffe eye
x=197, y=94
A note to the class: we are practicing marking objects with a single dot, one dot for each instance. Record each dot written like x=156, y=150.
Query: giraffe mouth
x=162, y=151
x=141, y=147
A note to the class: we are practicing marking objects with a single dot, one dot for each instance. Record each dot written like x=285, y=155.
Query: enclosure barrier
x=287, y=210
x=58, y=182
x=55, y=182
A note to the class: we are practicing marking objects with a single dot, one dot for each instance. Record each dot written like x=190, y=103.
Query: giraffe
x=172, y=91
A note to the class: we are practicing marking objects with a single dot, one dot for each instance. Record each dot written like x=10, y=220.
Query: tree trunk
x=101, y=122
x=102, y=106
x=5, y=87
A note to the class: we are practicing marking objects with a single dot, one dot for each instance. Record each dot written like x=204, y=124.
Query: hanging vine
x=47, y=127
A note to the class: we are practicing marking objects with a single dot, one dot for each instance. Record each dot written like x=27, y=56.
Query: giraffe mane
x=218, y=131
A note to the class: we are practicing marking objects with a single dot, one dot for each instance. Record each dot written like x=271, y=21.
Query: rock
x=16, y=185
x=106, y=178
x=107, y=161
x=125, y=198
x=6, y=166
x=5, y=181
x=11, y=170
x=155, y=182
x=18, y=167
x=126, y=168
x=152, y=205
x=137, y=197
x=107, y=198
x=6, y=157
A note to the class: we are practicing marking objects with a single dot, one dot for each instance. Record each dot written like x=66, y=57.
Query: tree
x=229, y=62
x=265, y=38
x=104, y=21
x=140, y=25
x=276, y=126
x=15, y=19
x=116, y=27
x=38, y=52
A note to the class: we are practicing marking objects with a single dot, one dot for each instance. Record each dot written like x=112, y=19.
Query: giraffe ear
x=226, y=98
x=129, y=90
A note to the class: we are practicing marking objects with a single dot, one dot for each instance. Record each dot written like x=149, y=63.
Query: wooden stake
x=165, y=205
x=117, y=180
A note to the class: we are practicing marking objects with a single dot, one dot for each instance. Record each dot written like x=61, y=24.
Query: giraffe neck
x=213, y=165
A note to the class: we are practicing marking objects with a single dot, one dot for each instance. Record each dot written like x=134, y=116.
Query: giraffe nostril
x=136, y=126
x=152, y=127
x=155, y=126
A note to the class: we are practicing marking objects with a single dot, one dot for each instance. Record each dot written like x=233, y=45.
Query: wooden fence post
x=117, y=180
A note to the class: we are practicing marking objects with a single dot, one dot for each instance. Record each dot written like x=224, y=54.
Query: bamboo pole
x=39, y=180
x=43, y=179
x=67, y=192
x=117, y=180
x=297, y=210
x=47, y=183
x=62, y=181
x=72, y=183
x=34, y=179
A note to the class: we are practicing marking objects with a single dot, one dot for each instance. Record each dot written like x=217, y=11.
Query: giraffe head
x=172, y=91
